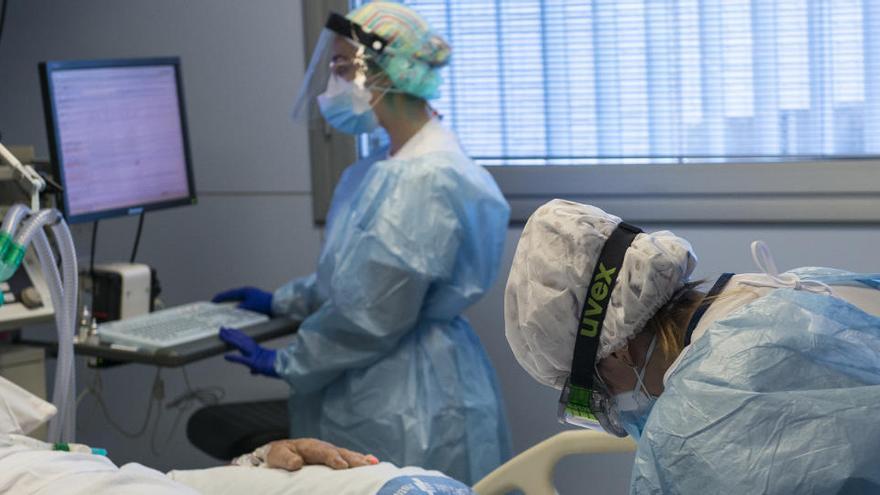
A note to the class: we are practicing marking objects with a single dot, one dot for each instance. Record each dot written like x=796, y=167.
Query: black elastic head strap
x=352, y=30
x=601, y=285
x=704, y=305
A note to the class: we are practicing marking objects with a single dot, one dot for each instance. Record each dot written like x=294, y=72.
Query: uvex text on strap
x=583, y=364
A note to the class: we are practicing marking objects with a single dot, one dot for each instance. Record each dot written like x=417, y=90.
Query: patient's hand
x=294, y=454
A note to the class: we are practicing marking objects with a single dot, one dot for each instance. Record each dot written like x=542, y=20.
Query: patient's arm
x=293, y=454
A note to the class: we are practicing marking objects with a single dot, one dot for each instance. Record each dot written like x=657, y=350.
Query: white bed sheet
x=28, y=470
x=381, y=479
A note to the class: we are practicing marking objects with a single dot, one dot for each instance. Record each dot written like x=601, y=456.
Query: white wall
x=242, y=63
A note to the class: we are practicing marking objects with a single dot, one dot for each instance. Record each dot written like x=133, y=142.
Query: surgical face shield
x=344, y=52
x=586, y=400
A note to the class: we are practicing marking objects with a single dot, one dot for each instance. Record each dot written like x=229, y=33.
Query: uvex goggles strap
x=352, y=30
x=608, y=266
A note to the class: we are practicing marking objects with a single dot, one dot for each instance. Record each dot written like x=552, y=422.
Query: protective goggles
x=586, y=400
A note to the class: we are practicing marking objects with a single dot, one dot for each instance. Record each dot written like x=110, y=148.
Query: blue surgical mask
x=347, y=107
x=634, y=407
x=633, y=421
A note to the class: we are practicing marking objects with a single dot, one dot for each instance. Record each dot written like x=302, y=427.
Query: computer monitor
x=117, y=136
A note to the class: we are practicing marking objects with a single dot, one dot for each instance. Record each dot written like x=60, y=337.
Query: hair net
x=551, y=271
x=414, y=53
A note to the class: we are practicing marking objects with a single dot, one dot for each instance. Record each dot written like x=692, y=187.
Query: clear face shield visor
x=345, y=53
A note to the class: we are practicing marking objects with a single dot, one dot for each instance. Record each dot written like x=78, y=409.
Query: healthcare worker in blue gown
x=384, y=362
x=766, y=383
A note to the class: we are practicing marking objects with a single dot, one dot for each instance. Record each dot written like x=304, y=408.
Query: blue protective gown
x=384, y=362
x=779, y=397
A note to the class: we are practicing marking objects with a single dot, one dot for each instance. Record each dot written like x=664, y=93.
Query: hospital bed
x=532, y=471
x=39, y=470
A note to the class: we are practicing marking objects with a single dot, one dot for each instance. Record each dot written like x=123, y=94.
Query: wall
x=242, y=63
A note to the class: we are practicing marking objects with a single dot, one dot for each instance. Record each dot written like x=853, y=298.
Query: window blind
x=585, y=82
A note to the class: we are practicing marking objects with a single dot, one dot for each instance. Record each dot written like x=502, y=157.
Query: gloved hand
x=256, y=357
x=251, y=298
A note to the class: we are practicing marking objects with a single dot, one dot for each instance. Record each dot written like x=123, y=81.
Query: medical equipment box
x=122, y=290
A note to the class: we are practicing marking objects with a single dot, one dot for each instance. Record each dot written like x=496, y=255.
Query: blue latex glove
x=256, y=357
x=251, y=298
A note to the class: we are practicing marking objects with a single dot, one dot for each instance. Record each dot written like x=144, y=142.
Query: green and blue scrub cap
x=413, y=53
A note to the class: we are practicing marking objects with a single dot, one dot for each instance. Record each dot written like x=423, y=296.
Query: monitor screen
x=117, y=136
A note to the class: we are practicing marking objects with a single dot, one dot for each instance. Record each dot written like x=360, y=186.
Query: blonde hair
x=670, y=322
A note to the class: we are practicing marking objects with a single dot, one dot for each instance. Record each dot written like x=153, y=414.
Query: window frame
x=330, y=152
x=828, y=191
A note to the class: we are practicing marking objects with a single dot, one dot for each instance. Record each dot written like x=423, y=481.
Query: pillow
x=21, y=412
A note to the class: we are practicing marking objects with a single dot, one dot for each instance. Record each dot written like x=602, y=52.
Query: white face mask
x=347, y=106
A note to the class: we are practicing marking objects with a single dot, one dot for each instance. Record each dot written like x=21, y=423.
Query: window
x=680, y=110
x=575, y=82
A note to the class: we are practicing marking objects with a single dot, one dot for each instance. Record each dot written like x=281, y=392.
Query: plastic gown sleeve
x=403, y=234
x=297, y=299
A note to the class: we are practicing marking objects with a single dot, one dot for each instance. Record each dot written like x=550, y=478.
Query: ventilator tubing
x=13, y=217
x=63, y=290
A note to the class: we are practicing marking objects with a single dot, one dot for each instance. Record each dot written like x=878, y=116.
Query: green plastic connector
x=11, y=255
